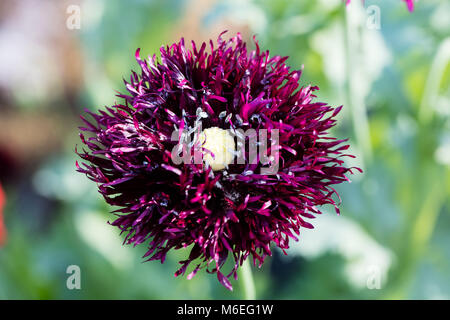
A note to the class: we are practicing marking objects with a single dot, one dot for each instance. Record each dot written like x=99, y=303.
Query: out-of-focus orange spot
x=2, y=225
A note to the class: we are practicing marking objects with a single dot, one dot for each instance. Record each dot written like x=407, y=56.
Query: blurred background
x=388, y=67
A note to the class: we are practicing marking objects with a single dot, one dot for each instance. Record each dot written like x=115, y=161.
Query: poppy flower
x=233, y=203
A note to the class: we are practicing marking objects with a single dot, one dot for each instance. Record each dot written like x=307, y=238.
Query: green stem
x=247, y=282
x=432, y=85
x=355, y=98
x=421, y=232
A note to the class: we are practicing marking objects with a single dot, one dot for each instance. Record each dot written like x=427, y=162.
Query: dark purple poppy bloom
x=230, y=209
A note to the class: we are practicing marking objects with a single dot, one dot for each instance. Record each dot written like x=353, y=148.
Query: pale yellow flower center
x=221, y=144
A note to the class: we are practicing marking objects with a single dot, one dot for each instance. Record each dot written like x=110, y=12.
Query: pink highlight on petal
x=410, y=4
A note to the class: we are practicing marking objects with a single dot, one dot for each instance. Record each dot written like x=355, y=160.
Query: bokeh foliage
x=394, y=84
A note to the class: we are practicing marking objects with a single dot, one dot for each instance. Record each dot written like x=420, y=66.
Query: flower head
x=226, y=206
